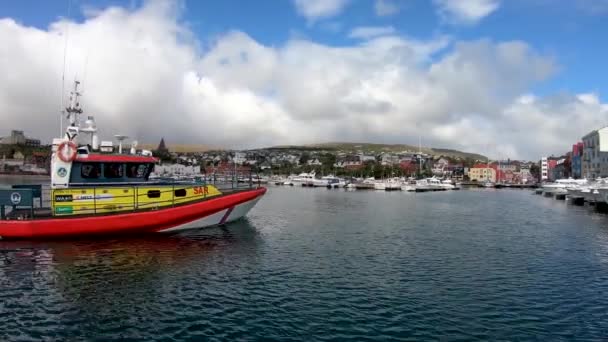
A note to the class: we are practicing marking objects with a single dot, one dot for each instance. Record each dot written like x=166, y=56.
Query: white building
x=239, y=158
x=544, y=169
x=18, y=138
x=595, y=154
x=169, y=170
x=315, y=162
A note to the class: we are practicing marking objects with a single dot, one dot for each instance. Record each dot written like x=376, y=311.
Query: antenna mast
x=74, y=109
x=65, y=50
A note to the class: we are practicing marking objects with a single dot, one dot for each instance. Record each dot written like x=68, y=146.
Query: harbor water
x=317, y=264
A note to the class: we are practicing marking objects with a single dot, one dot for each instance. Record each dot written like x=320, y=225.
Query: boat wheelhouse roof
x=115, y=158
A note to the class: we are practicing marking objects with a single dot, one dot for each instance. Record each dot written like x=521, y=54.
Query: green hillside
x=379, y=148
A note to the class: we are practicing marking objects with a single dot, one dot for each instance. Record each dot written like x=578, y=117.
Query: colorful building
x=563, y=168
x=482, y=173
x=576, y=160
x=547, y=164
x=595, y=154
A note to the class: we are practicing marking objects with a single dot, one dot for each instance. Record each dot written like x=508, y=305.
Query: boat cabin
x=96, y=169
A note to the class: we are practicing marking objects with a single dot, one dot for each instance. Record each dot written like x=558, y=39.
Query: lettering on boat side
x=64, y=210
x=63, y=198
x=91, y=197
x=62, y=172
x=15, y=198
x=201, y=190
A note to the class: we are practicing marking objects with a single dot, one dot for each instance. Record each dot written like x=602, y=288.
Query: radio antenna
x=65, y=49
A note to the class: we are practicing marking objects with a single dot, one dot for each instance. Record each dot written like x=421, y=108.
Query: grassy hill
x=332, y=146
x=181, y=148
x=379, y=148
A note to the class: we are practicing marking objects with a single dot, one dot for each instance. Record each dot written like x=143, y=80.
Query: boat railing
x=35, y=200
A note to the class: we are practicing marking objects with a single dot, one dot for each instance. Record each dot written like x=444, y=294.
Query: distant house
x=314, y=162
x=366, y=158
x=18, y=156
x=177, y=170
x=265, y=165
x=352, y=163
x=19, y=138
x=409, y=167
x=481, y=172
x=440, y=167
x=577, y=153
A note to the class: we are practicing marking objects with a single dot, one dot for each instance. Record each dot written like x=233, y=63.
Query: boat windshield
x=113, y=170
x=90, y=170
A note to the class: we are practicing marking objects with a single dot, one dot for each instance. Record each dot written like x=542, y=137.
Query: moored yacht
x=408, y=185
x=393, y=184
x=366, y=184
x=435, y=184
x=447, y=184
x=326, y=181
x=561, y=186
x=304, y=179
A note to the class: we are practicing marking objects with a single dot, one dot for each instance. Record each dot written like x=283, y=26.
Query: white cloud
x=366, y=32
x=385, y=7
x=319, y=9
x=147, y=77
x=465, y=11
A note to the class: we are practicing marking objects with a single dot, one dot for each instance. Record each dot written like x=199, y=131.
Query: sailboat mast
x=420, y=154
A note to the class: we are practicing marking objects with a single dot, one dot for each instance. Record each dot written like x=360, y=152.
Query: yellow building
x=482, y=174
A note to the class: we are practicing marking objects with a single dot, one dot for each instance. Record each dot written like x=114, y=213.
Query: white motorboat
x=423, y=185
x=561, y=186
x=326, y=181
x=380, y=185
x=447, y=184
x=304, y=179
x=487, y=184
x=589, y=192
x=392, y=184
x=388, y=184
x=435, y=184
x=599, y=193
x=366, y=184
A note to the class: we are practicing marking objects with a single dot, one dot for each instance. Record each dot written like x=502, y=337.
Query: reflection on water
x=318, y=264
x=111, y=283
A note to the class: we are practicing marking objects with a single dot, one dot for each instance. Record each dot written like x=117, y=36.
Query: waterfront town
x=24, y=155
x=587, y=158
x=21, y=154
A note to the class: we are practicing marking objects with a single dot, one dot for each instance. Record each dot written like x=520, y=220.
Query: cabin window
x=113, y=170
x=153, y=193
x=180, y=193
x=90, y=170
x=136, y=170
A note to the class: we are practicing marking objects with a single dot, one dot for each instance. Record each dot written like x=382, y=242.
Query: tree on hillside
x=304, y=158
x=535, y=171
x=328, y=160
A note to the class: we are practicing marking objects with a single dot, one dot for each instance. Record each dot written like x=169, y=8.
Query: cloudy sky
x=517, y=78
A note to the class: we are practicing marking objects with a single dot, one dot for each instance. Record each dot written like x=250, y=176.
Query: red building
x=408, y=166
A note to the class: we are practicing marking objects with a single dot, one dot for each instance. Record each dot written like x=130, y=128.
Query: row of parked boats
x=595, y=191
x=388, y=184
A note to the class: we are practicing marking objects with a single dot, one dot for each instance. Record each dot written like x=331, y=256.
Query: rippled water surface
x=317, y=264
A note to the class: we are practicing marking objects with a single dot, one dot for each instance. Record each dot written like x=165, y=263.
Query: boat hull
x=211, y=212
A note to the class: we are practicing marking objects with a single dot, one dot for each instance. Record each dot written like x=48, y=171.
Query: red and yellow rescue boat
x=95, y=191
